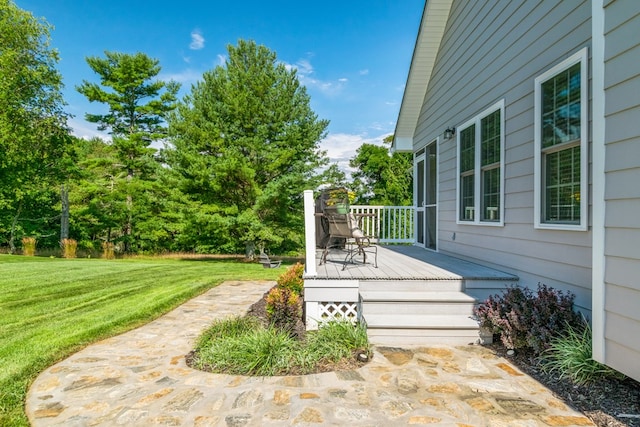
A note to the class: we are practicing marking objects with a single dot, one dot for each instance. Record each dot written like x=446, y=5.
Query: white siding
x=492, y=51
x=622, y=192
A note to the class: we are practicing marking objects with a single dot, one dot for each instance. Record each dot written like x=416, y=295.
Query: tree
x=138, y=105
x=245, y=144
x=34, y=138
x=381, y=177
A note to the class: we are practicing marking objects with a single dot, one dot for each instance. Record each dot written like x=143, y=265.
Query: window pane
x=432, y=175
x=467, y=148
x=562, y=186
x=561, y=107
x=420, y=183
x=491, y=195
x=467, y=198
x=490, y=138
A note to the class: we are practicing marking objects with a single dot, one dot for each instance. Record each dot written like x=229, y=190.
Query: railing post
x=310, y=234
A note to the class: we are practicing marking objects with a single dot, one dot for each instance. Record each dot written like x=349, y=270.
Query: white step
x=415, y=296
x=416, y=330
x=417, y=307
x=407, y=302
x=452, y=285
x=395, y=340
x=421, y=321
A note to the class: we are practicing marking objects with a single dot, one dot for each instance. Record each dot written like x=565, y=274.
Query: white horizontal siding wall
x=493, y=51
x=622, y=192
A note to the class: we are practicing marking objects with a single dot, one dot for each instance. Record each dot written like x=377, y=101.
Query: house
x=524, y=121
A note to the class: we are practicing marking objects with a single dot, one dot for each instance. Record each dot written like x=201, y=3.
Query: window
x=480, y=165
x=561, y=145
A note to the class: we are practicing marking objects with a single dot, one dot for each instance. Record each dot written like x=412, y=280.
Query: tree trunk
x=64, y=214
x=128, y=227
x=12, y=246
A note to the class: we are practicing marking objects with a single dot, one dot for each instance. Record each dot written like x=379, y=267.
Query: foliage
x=242, y=346
x=51, y=308
x=292, y=278
x=381, y=177
x=138, y=105
x=34, y=142
x=526, y=320
x=245, y=144
x=338, y=339
x=284, y=309
x=570, y=356
x=256, y=351
x=69, y=248
x=28, y=246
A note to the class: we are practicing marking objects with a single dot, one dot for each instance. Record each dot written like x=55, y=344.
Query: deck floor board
x=405, y=263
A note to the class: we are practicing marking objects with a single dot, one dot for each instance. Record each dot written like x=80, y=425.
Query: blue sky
x=352, y=55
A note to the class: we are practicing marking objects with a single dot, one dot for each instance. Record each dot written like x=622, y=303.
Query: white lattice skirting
x=337, y=310
x=326, y=300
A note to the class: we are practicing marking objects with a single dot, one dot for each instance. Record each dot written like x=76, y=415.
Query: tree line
x=238, y=151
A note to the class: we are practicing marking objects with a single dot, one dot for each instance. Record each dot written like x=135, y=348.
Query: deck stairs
x=418, y=312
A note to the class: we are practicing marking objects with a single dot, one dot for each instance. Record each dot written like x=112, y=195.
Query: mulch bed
x=608, y=402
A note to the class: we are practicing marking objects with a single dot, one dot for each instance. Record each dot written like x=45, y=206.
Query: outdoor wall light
x=448, y=134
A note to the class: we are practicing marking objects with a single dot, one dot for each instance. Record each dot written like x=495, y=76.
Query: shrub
x=525, y=320
x=570, y=357
x=108, y=250
x=28, y=246
x=284, y=308
x=292, y=278
x=69, y=247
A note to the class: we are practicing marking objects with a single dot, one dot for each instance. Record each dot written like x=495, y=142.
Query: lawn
x=51, y=308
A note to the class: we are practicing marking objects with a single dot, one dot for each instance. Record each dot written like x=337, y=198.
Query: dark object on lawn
x=267, y=263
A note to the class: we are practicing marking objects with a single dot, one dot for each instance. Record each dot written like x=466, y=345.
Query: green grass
x=51, y=308
x=242, y=346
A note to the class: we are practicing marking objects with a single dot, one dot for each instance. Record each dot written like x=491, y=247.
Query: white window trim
x=477, y=168
x=580, y=57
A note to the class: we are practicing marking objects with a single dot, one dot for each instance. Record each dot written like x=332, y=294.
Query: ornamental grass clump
x=69, y=248
x=108, y=250
x=570, y=356
x=527, y=320
x=29, y=246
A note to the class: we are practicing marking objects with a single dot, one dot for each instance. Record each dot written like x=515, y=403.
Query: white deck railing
x=388, y=224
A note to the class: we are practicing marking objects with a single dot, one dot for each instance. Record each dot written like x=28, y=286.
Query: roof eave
x=432, y=26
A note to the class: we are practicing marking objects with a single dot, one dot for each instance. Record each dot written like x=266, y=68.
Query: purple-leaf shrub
x=527, y=320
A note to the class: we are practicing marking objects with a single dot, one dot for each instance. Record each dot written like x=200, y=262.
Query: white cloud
x=364, y=72
x=343, y=80
x=305, y=75
x=85, y=130
x=341, y=147
x=197, y=41
x=222, y=59
x=187, y=76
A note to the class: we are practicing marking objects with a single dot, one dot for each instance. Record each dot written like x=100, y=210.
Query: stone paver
x=140, y=378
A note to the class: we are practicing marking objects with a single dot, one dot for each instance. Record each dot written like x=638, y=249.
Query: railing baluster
x=389, y=224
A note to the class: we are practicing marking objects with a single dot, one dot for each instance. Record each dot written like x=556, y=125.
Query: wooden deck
x=403, y=262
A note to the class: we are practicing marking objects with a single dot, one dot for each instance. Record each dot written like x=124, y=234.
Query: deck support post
x=309, y=234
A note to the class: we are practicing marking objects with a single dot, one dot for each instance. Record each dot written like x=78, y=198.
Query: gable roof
x=432, y=25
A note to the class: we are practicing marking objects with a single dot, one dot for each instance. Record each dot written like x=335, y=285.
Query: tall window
x=560, y=145
x=480, y=154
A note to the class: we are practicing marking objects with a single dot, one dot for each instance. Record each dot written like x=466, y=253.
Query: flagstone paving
x=140, y=378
